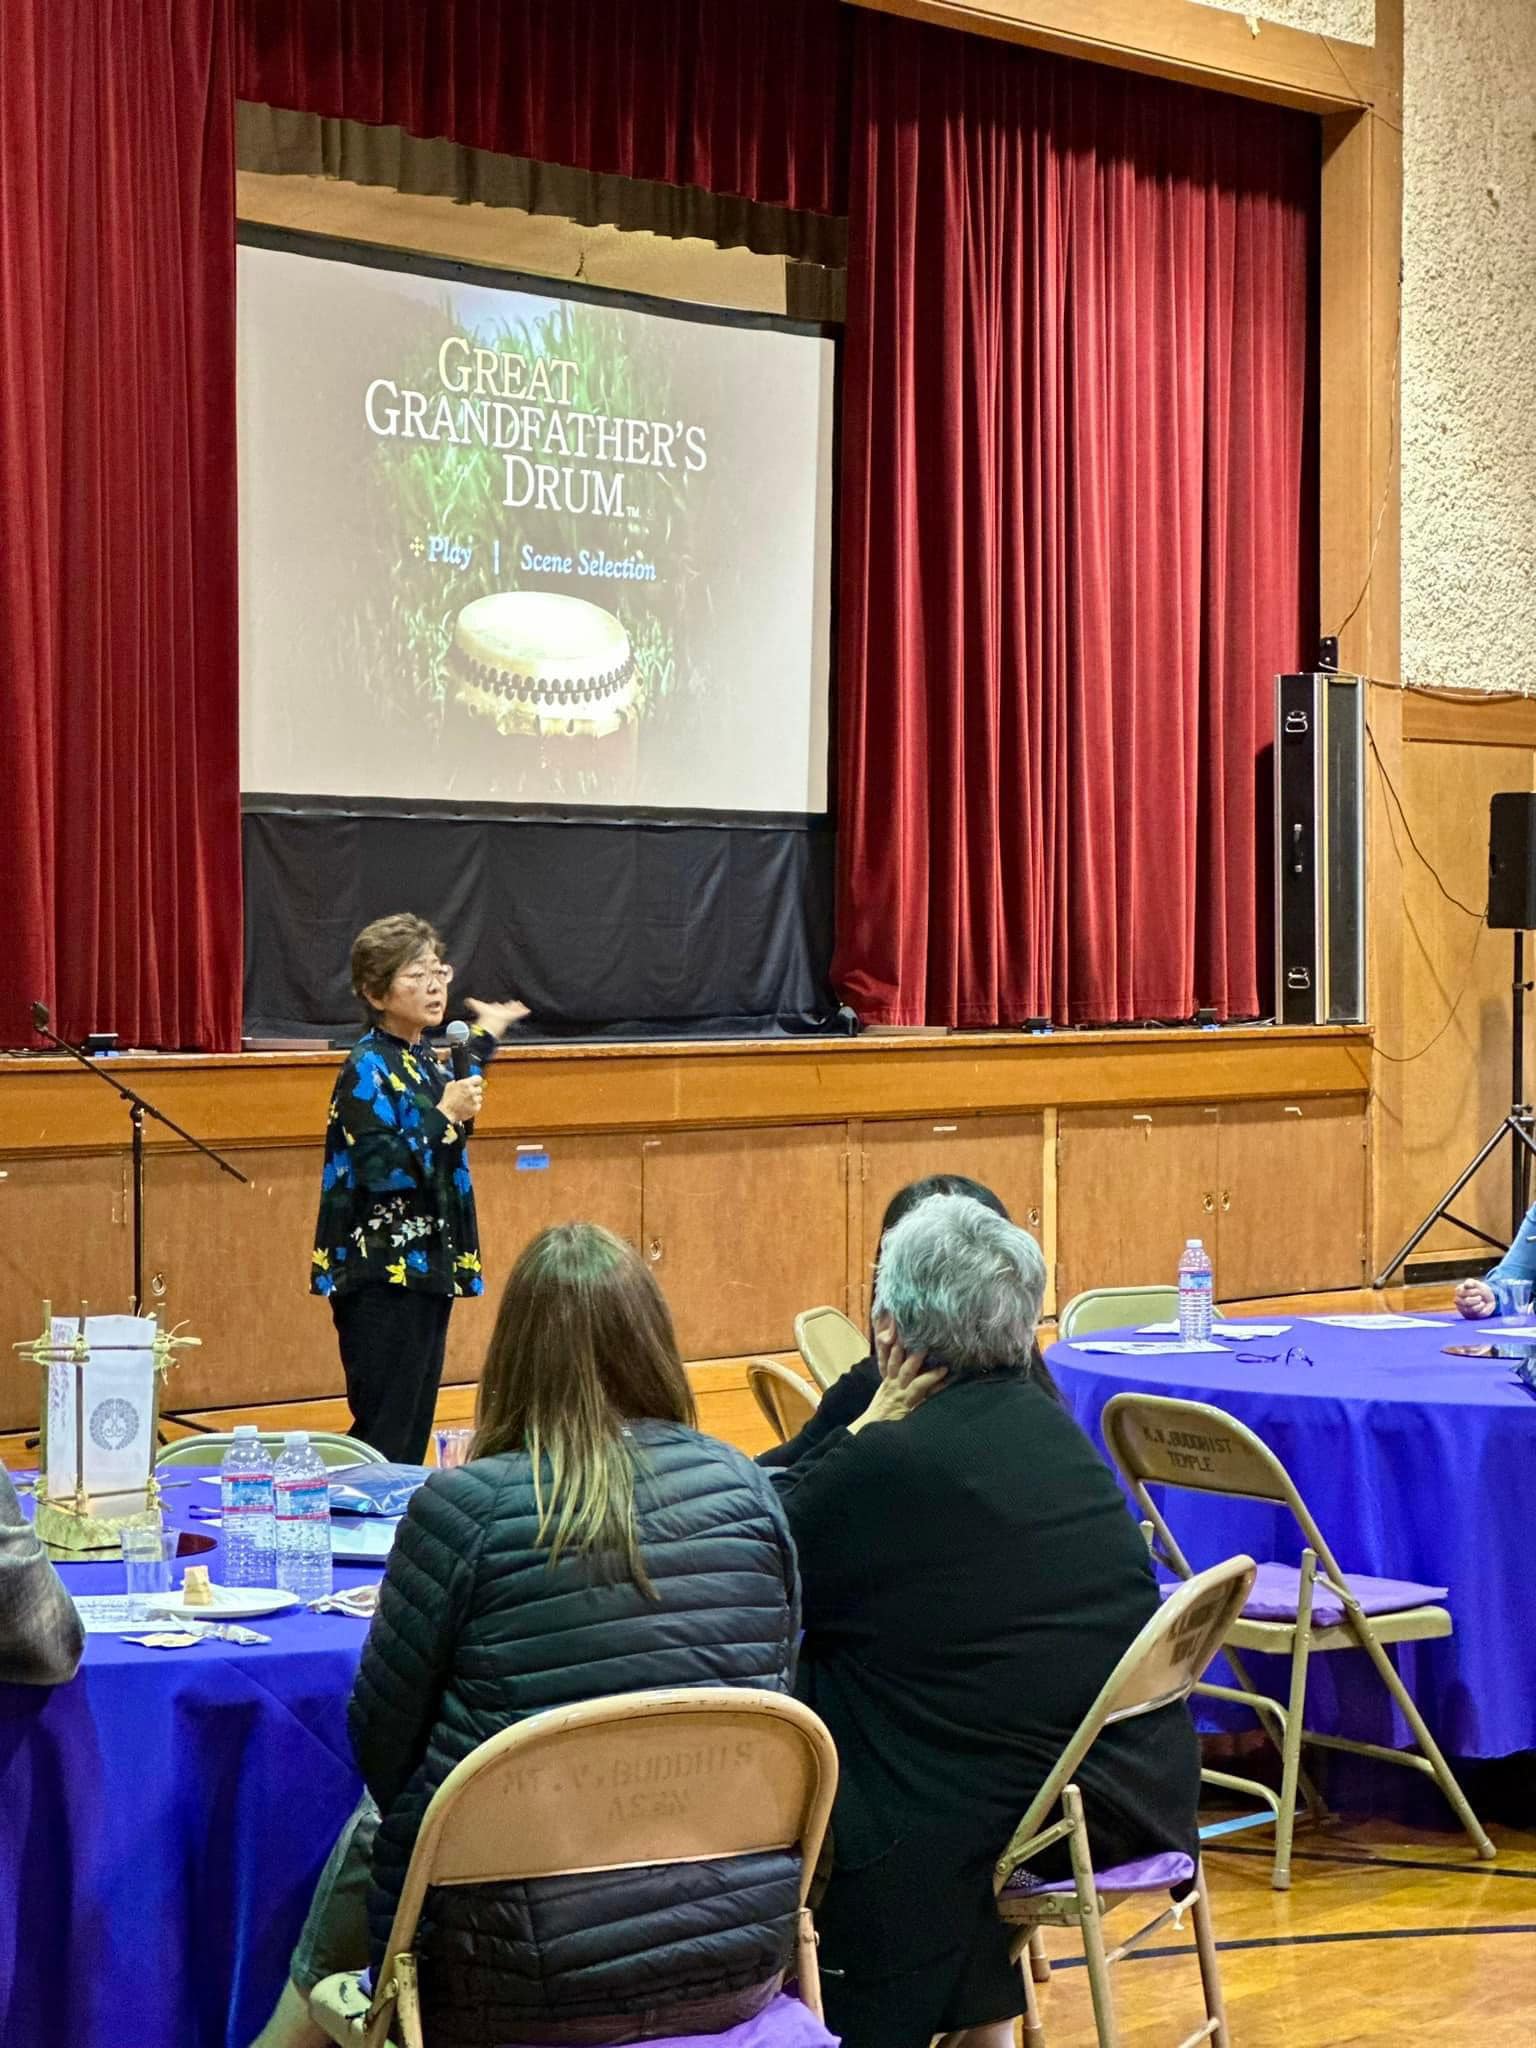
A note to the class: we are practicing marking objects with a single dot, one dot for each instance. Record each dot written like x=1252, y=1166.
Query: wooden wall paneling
x=1002, y=1152
x=64, y=1238
x=1292, y=1196
x=52, y=1106
x=1452, y=1071
x=744, y=1229
x=1131, y=1186
x=588, y=1180
x=232, y=1263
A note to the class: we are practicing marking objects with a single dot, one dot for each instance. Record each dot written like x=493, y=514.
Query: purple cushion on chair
x=1276, y=1586
x=1158, y=1873
x=783, y=2023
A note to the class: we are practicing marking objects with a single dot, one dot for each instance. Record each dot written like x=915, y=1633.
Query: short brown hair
x=583, y=1344
x=382, y=948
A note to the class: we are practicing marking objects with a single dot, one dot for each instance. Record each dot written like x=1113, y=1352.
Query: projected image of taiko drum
x=544, y=666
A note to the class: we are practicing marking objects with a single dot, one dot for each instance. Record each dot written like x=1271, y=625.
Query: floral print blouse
x=397, y=1207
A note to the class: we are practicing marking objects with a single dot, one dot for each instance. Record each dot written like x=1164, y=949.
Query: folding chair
x=1116, y=1308
x=208, y=1448
x=745, y=1771
x=829, y=1343
x=1162, y=1665
x=787, y=1401
x=1156, y=1440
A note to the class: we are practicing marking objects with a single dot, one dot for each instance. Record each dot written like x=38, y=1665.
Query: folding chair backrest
x=787, y=1401
x=1116, y=1308
x=641, y=1778
x=1157, y=1440
x=207, y=1447
x=1164, y=1663
x=829, y=1343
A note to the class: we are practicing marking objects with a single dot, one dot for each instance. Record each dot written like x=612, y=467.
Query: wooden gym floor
x=1388, y=1935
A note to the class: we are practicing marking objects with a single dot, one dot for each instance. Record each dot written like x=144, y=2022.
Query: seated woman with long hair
x=595, y=1543
x=971, y=1577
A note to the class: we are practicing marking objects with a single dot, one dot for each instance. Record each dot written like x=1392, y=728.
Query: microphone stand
x=138, y=1109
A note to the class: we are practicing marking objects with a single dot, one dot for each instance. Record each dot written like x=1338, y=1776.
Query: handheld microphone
x=463, y=1066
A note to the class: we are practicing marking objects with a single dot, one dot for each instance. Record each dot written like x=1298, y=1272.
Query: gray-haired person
x=970, y=1578
x=41, y=1639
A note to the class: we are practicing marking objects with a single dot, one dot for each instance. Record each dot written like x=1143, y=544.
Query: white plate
x=230, y=1603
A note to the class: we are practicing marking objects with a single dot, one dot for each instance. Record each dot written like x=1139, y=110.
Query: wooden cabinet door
x=744, y=1228
x=66, y=1236
x=522, y=1186
x=1291, y=1188
x=1132, y=1185
x=1004, y=1153
x=232, y=1264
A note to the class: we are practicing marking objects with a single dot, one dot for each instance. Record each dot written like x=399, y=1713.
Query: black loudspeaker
x=1512, y=861
x=1319, y=849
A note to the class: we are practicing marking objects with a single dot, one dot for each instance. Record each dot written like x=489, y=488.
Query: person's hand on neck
x=906, y=1380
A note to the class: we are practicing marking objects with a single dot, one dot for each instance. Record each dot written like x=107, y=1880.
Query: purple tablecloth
x=1415, y=1465
x=163, y=1819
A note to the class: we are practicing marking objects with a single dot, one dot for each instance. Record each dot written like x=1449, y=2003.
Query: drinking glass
x=453, y=1444
x=1513, y=1298
x=147, y=1554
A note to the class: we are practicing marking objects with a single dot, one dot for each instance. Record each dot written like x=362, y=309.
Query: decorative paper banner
x=117, y=1406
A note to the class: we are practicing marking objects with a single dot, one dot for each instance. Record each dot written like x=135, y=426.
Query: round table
x=1415, y=1464
x=163, y=1819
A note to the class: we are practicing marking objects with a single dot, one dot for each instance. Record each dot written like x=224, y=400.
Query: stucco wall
x=1469, y=343
x=1353, y=21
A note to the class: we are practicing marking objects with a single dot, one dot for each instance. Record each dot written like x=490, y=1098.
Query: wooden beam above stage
x=1175, y=39
x=50, y=1106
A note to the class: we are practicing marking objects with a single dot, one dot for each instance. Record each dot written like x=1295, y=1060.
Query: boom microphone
x=463, y=1065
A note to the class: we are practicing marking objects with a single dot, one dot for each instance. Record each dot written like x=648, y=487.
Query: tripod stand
x=138, y=1109
x=1519, y=1126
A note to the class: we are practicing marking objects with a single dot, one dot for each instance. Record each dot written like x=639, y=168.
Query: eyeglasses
x=422, y=977
x=1292, y=1355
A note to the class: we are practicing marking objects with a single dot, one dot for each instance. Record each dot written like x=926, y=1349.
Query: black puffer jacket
x=475, y=1631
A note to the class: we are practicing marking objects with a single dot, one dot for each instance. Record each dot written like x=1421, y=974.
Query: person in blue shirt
x=1475, y=1298
x=396, y=1241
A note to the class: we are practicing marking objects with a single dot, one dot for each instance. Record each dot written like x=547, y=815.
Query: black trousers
x=392, y=1342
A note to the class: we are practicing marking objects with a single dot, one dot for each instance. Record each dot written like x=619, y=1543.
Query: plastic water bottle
x=250, y=1532
x=1197, y=1285
x=303, y=1504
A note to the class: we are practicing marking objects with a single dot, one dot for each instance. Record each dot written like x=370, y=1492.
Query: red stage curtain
x=1076, y=385
x=119, y=773
x=747, y=100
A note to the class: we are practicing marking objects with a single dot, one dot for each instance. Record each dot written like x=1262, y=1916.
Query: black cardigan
x=970, y=1576
x=476, y=1630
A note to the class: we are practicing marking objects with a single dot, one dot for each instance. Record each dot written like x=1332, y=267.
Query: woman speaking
x=396, y=1239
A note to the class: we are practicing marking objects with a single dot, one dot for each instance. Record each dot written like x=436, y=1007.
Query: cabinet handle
x=1032, y=1218
x=945, y=1130
x=653, y=1251
x=1291, y=1109
x=1226, y=1201
x=1208, y=1203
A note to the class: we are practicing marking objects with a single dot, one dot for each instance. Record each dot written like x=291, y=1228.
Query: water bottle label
x=304, y=1500
x=247, y=1494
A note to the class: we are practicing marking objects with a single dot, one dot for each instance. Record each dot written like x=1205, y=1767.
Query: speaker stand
x=1519, y=1127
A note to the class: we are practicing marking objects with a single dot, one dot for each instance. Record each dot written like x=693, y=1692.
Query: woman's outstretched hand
x=906, y=1380
x=495, y=1018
